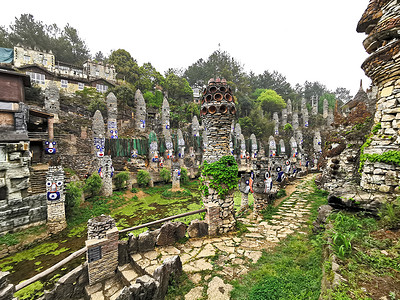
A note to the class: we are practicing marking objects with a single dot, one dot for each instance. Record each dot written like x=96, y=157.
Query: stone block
x=170, y=234
x=387, y=91
x=197, y=229
x=132, y=244
x=14, y=156
x=146, y=242
x=384, y=189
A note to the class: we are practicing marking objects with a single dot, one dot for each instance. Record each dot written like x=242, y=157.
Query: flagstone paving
x=211, y=263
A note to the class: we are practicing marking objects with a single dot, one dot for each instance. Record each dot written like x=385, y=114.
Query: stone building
x=18, y=208
x=381, y=23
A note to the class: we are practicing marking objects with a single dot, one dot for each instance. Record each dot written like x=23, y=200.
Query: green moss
x=31, y=254
x=77, y=231
x=32, y=291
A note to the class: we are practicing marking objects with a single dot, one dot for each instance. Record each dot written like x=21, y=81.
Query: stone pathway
x=211, y=263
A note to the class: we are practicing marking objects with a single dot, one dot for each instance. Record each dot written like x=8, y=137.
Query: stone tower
x=165, y=112
x=381, y=23
x=140, y=114
x=217, y=112
x=52, y=98
x=195, y=127
x=112, y=114
x=55, y=199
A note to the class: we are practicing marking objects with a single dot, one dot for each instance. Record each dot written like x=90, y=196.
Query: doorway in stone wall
x=37, y=151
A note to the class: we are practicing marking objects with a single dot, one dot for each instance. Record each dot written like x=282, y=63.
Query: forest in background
x=257, y=95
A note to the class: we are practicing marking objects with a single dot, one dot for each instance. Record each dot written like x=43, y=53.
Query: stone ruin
x=55, y=181
x=52, y=97
x=140, y=111
x=218, y=111
x=112, y=114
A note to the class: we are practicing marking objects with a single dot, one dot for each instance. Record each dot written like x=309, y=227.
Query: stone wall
x=17, y=209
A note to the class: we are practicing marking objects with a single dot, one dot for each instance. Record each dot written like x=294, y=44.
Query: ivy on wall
x=222, y=176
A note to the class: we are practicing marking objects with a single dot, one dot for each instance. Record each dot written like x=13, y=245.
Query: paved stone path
x=211, y=263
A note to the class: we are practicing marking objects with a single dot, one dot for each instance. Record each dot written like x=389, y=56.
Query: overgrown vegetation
x=222, y=176
x=121, y=180
x=93, y=185
x=143, y=178
x=165, y=175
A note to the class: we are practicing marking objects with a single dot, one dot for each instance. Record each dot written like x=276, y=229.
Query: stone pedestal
x=102, y=249
x=213, y=218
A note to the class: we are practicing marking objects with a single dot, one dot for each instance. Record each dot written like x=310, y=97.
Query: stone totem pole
x=153, y=150
x=55, y=199
x=254, y=147
x=218, y=111
x=103, y=163
x=283, y=148
x=289, y=107
x=181, y=144
x=325, y=109
x=284, y=116
x=295, y=120
x=275, y=117
x=314, y=105
x=272, y=146
x=52, y=98
x=140, y=114
x=112, y=113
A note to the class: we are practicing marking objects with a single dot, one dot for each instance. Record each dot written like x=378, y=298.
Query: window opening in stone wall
x=81, y=86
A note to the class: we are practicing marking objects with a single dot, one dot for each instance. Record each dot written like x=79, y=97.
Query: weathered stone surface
x=146, y=241
x=170, y=233
x=170, y=270
x=217, y=289
x=197, y=228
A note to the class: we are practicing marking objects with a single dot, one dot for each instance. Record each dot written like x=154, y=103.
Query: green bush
x=143, y=178
x=93, y=185
x=184, y=175
x=134, y=190
x=73, y=197
x=121, y=179
x=165, y=174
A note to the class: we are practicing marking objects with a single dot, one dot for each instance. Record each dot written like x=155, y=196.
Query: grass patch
x=293, y=270
x=177, y=289
x=11, y=239
x=32, y=291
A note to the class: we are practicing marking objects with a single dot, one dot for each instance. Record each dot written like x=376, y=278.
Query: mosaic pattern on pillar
x=50, y=147
x=55, y=183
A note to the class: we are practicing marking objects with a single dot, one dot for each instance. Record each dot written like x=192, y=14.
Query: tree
x=73, y=198
x=154, y=99
x=121, y=180
x=99, y=57
x=270, y=101
x=343, y=94
x=149, y=78
x=178, y=87
x=125, y=94
x=125, y=65
x=93, y=185
x=70, y=47
x=4, y=40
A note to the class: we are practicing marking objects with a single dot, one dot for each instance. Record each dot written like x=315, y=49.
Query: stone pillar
x=289, y=107
x=7, y=290
x=254, y=147
x=50, y=123
x=165, y=114
x=245, y=190
x=176, y=175
x=98, y=134
x=52, y=98
x=213, y=218
x=272, y=146
x=314, y=105
x=295, y=121
x=55, y=199
x=112, y=114
x=102, y=248
x=305, y=118
x=106, y=172
x=140, y=111
x=218, y=111
x=283, y=148
x=284, y=116
x=261, y=185
x=169, y=153
x=195, y=127
x=325, y=109
x=153, y=150
x=293, y=145
x=275, y=117
x=181, y=145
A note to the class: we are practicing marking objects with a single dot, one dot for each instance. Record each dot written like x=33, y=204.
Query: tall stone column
x=140, y=111
x=176, y=175
x=55, y=199
x=254, y=147
x=381, y=22
x=153, y=150
x=272, y=146
x=102, y=248
x=295, y=120
x=218, y=111
x=112, y=114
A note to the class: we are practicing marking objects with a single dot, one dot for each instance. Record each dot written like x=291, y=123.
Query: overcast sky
x=314, y=40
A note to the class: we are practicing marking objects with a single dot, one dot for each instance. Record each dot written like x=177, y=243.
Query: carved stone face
x=381, y=22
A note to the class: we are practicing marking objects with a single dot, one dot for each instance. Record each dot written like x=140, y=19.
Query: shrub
x=93, y=185
x=143, y=178
x=121, y=179
x=165, y=174
x=134, y=190
x=184, y=175
x=73, y=197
